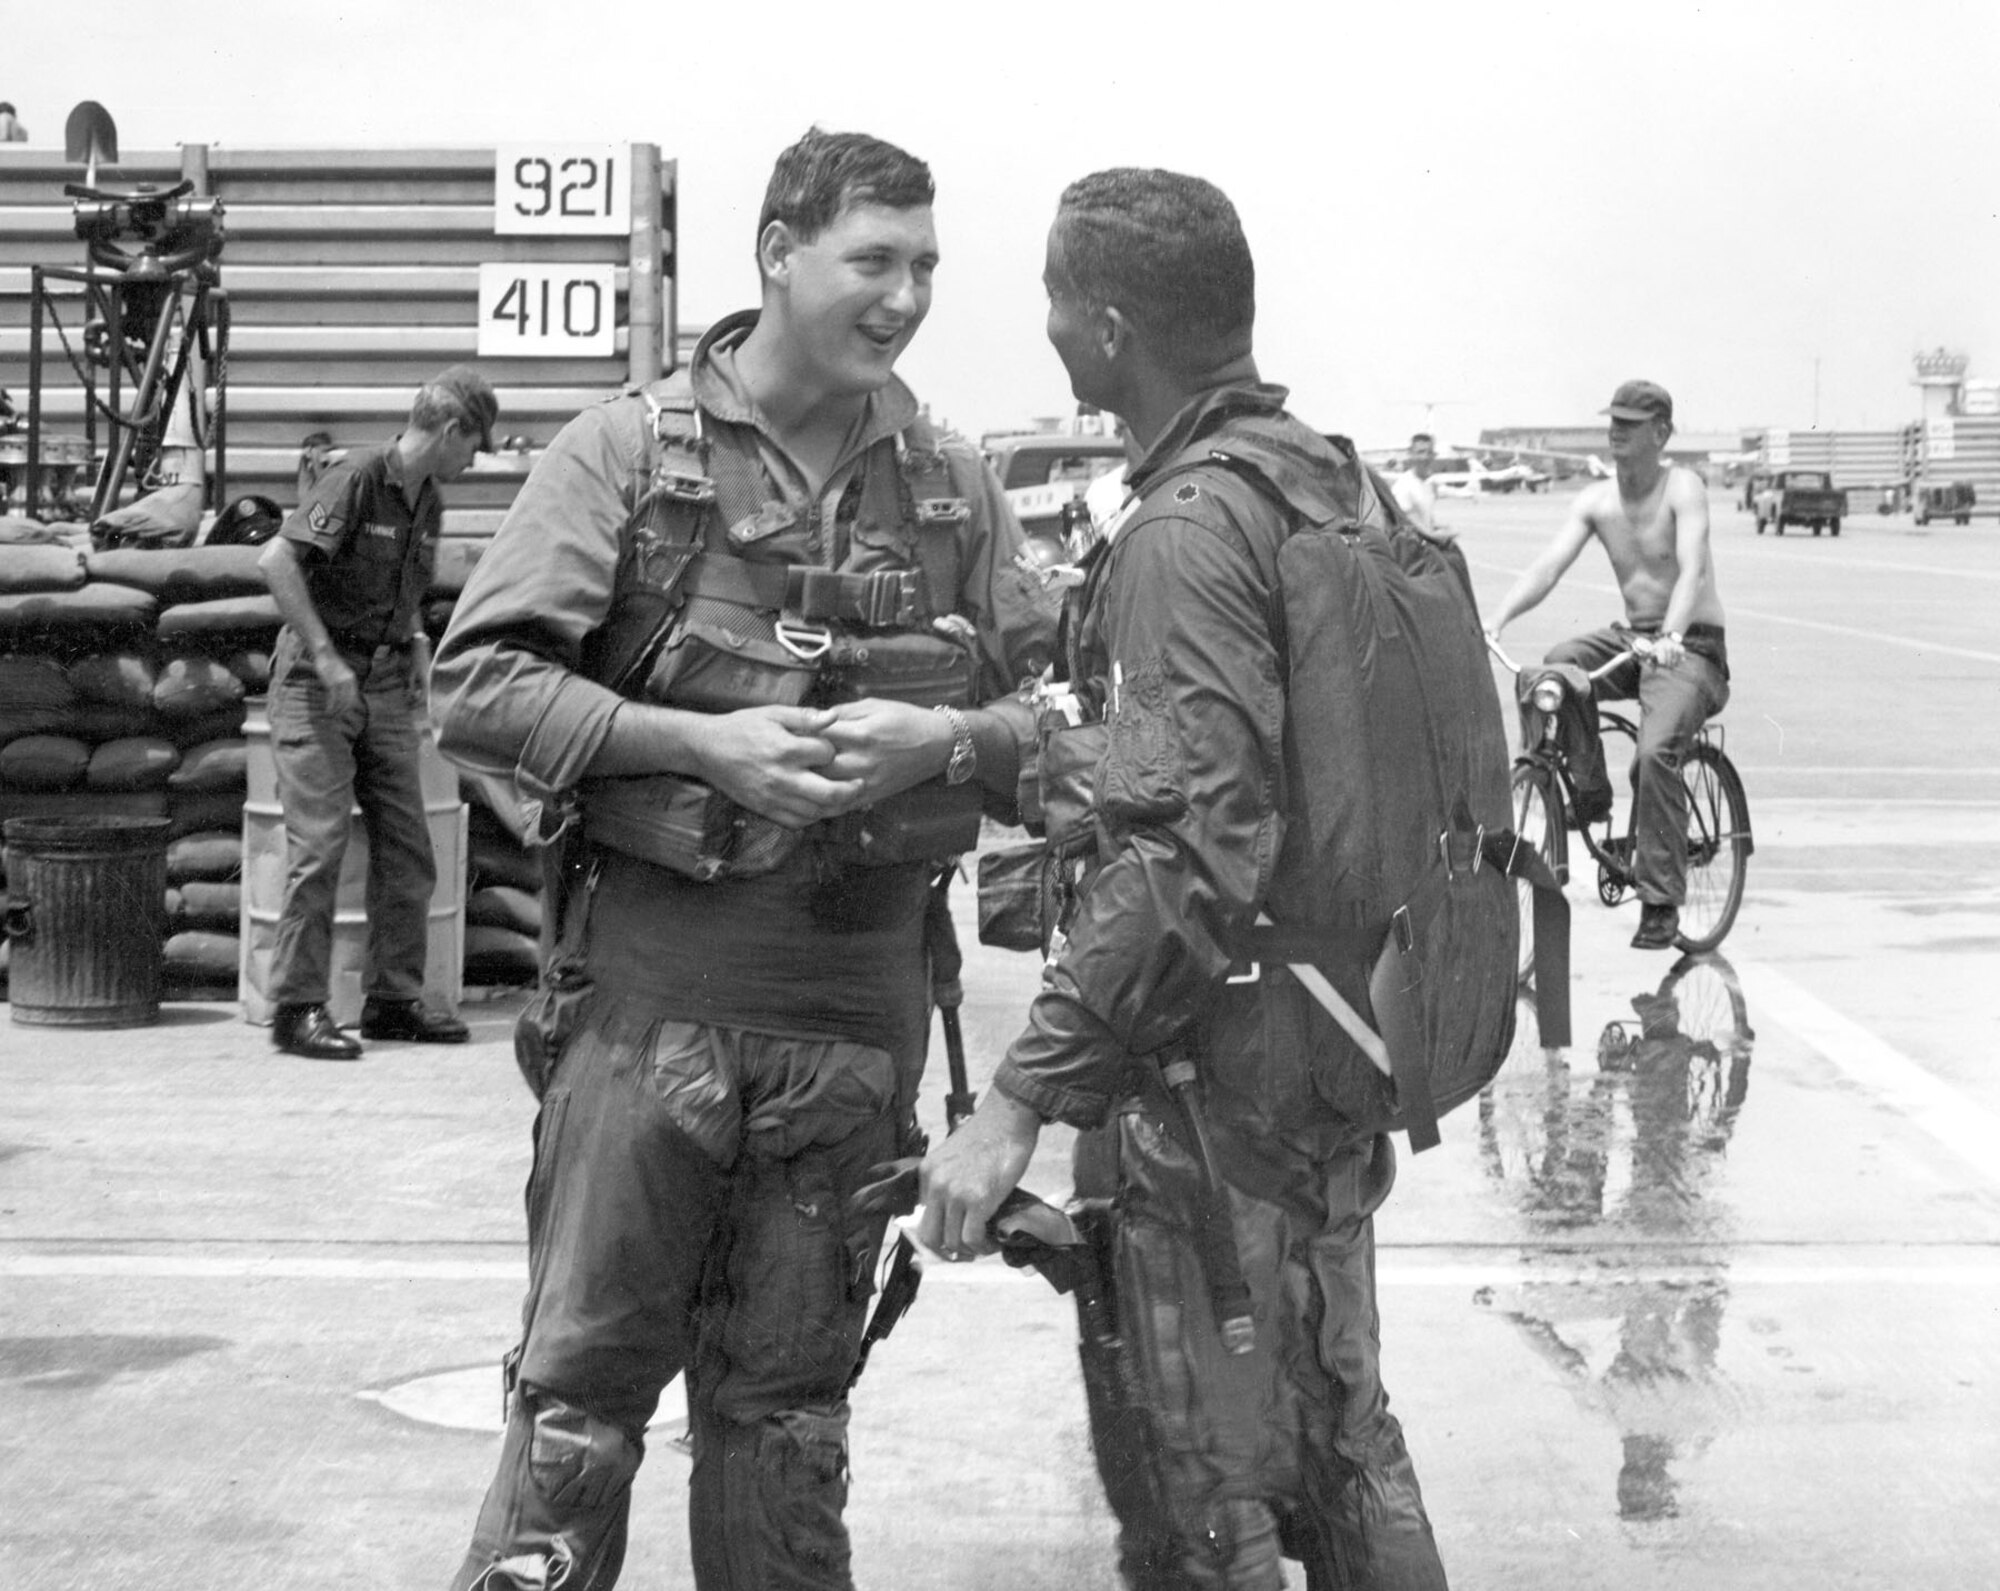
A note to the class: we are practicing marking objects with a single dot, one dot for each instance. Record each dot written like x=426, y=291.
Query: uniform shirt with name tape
x=368, y=551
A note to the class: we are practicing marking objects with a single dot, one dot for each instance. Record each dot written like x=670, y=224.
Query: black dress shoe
x=309, y=1031
x=1659, y=927
x=408, y=1019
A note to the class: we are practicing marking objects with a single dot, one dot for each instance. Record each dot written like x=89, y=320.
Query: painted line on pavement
x=1847, y=563
x=1963, y=1126
x=1913, y=643
x=1393, y=1268
x=294, y=1268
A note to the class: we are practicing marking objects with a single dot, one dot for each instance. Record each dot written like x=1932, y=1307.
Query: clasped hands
x=799, y=765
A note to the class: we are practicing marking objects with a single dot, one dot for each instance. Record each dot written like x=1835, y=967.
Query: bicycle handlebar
x=1640, y=646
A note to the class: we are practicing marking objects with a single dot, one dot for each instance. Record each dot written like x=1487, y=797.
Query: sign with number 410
x=547, y=311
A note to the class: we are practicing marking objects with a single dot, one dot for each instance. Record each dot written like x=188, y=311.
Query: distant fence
x=352, y=275
x=1869, y=465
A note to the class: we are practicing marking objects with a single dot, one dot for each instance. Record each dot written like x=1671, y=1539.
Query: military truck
x=1799, y=497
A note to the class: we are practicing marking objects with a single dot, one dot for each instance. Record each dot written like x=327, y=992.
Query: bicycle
x=1719, y=841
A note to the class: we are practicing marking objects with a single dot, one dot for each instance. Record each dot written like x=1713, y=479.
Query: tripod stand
x=154, y=304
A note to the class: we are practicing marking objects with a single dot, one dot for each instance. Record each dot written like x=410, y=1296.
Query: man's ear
x=1115, y=334
x=775, y=246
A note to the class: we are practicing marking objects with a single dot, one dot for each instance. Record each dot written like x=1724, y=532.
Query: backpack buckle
x=1457, y=861
x=805, y=642
x=942, y=511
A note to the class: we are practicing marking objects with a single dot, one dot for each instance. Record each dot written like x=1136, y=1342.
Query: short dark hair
x=1422, y=436
x=6, y=109
x=1166, y=249
x=823, y=173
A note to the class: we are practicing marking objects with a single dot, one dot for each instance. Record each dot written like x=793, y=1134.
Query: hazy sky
x=1498, y=211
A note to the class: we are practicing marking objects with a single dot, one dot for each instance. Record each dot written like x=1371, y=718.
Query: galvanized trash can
x=84, y=918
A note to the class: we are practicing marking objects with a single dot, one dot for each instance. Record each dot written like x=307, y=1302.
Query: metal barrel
x=264, y=870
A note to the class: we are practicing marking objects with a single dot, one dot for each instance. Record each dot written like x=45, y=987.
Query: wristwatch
x=963, y=757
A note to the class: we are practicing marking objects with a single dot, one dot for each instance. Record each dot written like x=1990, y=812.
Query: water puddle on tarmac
x=1621, y=1159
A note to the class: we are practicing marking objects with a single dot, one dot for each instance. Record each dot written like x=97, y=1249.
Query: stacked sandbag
x=203, y=906
x=123, y=678
x=503, y=902
x=48, y=602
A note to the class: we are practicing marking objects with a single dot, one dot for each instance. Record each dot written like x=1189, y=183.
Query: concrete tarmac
x=1709, y=1307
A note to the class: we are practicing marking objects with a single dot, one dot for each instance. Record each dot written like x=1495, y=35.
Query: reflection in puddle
x=1625, y=1154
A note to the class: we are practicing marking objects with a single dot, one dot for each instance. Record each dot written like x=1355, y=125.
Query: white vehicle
x=1044, y=473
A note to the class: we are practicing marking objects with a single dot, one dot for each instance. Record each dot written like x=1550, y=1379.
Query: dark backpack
x=1398, y=857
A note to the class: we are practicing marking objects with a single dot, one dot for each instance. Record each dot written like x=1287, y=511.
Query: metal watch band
x=963, y=758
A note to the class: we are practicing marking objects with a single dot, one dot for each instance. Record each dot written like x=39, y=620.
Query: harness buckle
x=683, y=487
x=890, y=598
x=942, y=511
x=805, y=642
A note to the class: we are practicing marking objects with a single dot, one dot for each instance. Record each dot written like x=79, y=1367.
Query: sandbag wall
x=503, y=902
x=503, y=886
x=122, y=680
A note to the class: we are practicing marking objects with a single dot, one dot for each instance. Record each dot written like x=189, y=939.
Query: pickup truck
x=1799, y=497
x=1042, y=474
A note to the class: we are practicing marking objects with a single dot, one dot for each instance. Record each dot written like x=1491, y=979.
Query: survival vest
x=725, y=598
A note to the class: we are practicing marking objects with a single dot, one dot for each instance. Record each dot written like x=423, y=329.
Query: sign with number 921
x=547, y=311
x=581, y=190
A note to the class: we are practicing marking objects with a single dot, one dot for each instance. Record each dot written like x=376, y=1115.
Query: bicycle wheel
x=1718, y=846
x=1538, y=824
x=1710, y=1011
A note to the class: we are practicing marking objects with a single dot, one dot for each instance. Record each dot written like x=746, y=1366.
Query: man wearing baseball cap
x=1651, y=519
x=349, y=569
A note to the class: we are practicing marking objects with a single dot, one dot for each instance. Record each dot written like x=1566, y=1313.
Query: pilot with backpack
x=1278, y=916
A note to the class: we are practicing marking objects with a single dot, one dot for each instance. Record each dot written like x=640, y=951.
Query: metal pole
x=643, y=361
x=211, y=430
x=670, y=270
x=32, y=486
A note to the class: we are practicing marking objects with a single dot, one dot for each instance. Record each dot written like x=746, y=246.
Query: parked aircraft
x=1470, y=471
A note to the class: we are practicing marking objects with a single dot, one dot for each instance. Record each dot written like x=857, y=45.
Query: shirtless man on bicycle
x=1652, y=521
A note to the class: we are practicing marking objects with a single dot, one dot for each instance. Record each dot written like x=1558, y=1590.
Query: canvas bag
x=1398, y=857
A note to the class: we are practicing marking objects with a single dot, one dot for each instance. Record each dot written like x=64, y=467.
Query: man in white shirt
x=1413, y=490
